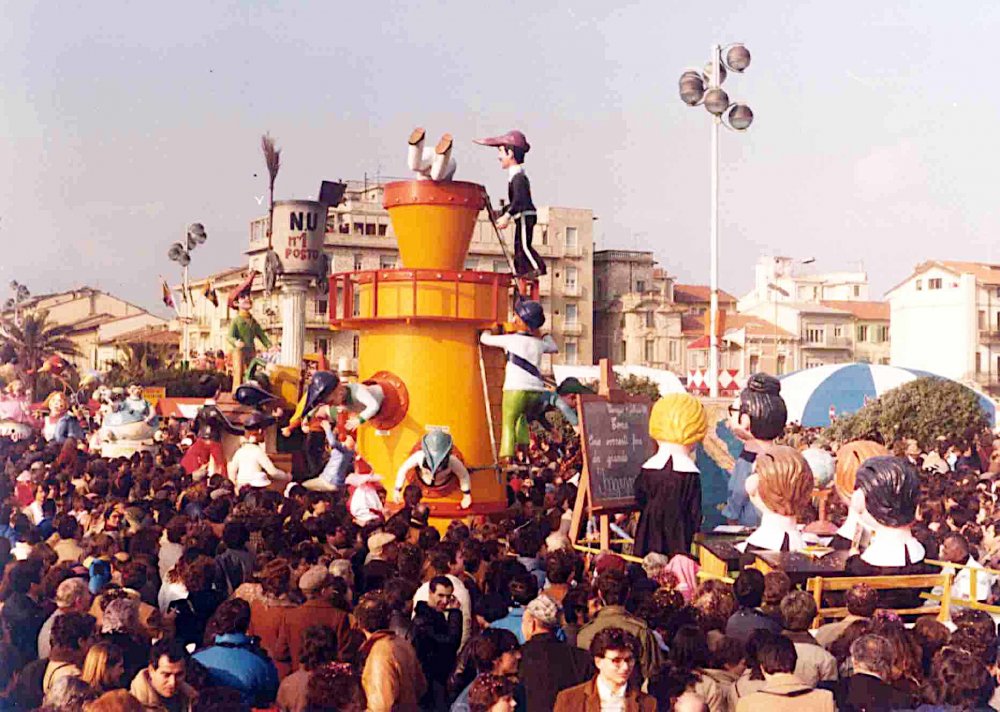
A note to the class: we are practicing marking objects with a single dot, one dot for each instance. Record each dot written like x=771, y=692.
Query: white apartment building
x=359, y=236
x=785, y=279
x=946, y=320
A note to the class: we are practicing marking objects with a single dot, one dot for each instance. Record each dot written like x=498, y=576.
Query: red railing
x=344, y=284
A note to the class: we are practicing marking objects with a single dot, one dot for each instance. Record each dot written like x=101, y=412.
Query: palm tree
x=140, y=359
x=34, y=340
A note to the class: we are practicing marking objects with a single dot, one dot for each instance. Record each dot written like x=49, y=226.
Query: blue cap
x=100, y=575
x=530, y=312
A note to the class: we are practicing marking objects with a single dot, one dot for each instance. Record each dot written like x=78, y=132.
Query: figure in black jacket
x=512, y=146
x=437, y=633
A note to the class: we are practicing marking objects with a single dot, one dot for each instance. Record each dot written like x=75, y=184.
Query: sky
x=123, y=122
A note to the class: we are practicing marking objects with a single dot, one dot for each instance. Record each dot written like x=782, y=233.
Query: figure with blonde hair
x=781, y=486
x=104, y=667
x=852, y=534
x=668, y=488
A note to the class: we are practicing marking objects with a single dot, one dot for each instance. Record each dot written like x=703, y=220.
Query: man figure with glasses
x=615, y=652
x=757, y=417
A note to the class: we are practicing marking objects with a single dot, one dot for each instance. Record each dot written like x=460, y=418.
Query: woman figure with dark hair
x=491, y=693
x=958, y=681
x=888, y=488
x=495, y=651
x=757, y=417
x=193, y=612
x=335, y=687
x=687, y=661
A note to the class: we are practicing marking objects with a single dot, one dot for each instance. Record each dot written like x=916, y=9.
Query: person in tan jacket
x=391, y=674
x=783, y=691
x=160, y=687
x=615, y=652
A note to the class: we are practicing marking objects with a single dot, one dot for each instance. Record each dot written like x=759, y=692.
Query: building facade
x=946, y=320
x=786, y=279
x=93, y=317
x=359, y=236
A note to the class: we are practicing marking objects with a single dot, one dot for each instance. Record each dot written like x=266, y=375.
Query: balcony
x=830, y=342
x=989, y=337
x=572, y=329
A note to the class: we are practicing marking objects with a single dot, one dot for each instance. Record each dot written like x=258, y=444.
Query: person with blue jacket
x=236, y=660
x=757, y=417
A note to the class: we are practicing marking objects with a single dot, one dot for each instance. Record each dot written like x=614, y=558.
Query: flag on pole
x=210, y=293
x=168, y=295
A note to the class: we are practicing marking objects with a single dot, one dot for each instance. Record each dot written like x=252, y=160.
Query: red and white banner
x=729, y=382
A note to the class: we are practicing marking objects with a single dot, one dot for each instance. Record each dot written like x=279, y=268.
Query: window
x=624, y=350
x=382, y=230
x=501, y=266
x=862, y=332
x=357, y=261
x=979, y=362
x=640, y=286
x=344, y=228
x=815, y=292
x=838, y=331
x=920, y=284
x=672, y=350
x=572, y=242
x=572, y=314
x=570, y=352
x=650, y=351
x=754, y=363
x=650, y=319
x=359, y=228
x=322, y=345
x=780, y=367
x=321, y=307
x=370, y=228
x=934, y=283
x=470, y=263
x=857, y=291
x=356, y=346
x=882, y=333
x=814, y=335
x=571, y=273
x=982, y=320
x=387, y=262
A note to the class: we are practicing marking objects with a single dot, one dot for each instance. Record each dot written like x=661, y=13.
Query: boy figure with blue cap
x=436, y=465
x=512, y=147
x=523, y=385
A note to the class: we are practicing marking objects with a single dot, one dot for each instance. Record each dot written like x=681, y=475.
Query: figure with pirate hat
x=523, y=386
x=512, y=147
x=244, y=330
x=436, y=464
x=326, y=389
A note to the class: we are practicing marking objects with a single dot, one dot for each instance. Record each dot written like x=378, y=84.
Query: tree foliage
x=32, y=341
x=922, y=410
x=640, y=386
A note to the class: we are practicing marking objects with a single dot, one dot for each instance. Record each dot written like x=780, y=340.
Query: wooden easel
x=608, y=389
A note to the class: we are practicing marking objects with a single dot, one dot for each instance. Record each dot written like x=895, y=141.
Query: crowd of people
x=133, y=584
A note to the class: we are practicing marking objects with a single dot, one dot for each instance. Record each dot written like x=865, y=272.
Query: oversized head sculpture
x=780, y=487
x=678, y=418
x=888, y=488
x=759, y=413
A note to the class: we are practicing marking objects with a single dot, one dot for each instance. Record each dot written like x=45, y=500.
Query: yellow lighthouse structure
x=419, y=339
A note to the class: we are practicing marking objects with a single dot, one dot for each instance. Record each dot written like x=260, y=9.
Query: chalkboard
x=616, y=443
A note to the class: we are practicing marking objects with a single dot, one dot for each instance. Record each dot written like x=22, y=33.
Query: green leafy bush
x=922, y=409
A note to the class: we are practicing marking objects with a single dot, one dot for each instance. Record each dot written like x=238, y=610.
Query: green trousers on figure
x=515, y=425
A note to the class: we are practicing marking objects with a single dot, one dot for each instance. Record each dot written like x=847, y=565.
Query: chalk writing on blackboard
x=617, y=444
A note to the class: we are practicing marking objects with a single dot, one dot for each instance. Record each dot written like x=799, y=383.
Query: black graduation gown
x=669, y=510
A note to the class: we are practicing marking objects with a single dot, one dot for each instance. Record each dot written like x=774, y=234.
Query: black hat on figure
x=321, y=385
x=252, y=395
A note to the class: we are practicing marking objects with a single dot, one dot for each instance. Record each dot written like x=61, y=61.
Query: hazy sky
x=120, y=123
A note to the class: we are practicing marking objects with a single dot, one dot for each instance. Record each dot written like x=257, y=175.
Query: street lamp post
x=180, y=252
x=737, y=117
